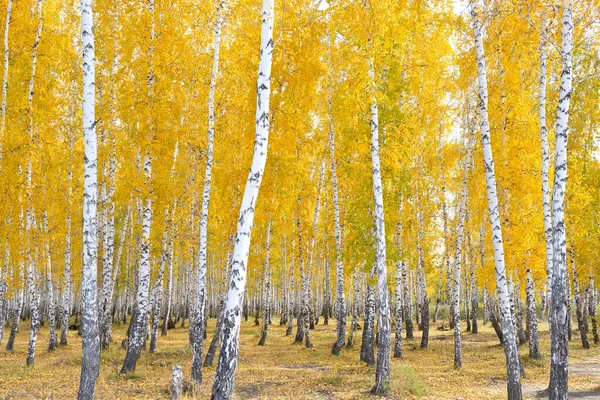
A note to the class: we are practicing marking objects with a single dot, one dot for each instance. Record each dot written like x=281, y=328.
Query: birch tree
x=90, y=356
x=382, y=372
x=199, y=317
x=510, y=347
x=139, y=325
x=228, y=356
x=30, y=212
x=559, y=371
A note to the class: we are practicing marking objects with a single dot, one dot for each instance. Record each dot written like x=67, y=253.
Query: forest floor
x=282, y=370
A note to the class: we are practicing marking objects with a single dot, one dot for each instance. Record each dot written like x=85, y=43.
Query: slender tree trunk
x=224, y=378
x=581, y=323
x=16, y=312
x=51, y=303
x=5, y=76
x=474, y=301
x=510, y=347
x=367, y=353
x=534, y=347
x=407, y=304
x=355, y=297
x=139, y=325
x=398, y=341
x=340, y=301
x=592, y=304
x=30, y=217
x=196, y=331
x=559, y=373
x=545, y=162
x=266, y=290
x=462, y=215
x=90, y=356
x=383, y=370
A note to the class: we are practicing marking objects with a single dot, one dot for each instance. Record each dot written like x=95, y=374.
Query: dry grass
x=283, y=370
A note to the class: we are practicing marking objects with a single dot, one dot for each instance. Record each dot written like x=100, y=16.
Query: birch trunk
x=90, y=356
x=534, y=347
x=355, y=297
x=340, y=301
x=139, y=323
x=559, y=372
x=368, y=335
x=398, y=342
x=31, y=257
x=579, y=306
x=592, y=310
x=108, y=246
x=462, y=215
x=51, y=303
x=156, y=293
x=199, y=317
x=228, y=357
x=382, y=372
x=267, y=290
x=18, y=310
x=66, y=295
x=5, y=76
x=510, y=347
x=545, y=162
x=407, y=304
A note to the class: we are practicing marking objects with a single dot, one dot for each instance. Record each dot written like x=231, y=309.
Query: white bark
x=31, y=257
x=340, y=301
x=510, y=347
x=140, y=325
x=199, y=306
x=90, y=358
x=51, y=303
x=5, y=76
x=382, y=375
x=545, y=162
x=559, y=374
x=228, y=357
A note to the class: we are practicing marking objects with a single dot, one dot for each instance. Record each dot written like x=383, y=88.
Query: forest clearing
x=284, y=370
x=300, y=199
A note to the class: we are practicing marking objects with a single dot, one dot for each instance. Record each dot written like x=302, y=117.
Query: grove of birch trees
x=389, y=169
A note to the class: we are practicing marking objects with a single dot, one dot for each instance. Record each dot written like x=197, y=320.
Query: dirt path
x=586, y=370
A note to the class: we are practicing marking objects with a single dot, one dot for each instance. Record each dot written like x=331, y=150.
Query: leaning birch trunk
x=534, y=347
x=228, y=357
x=31, y=258
x=545, y=162
x=90, y=356
x=139, y=324
x=462, y=214
x=196, y=330
x=17, y=311
x=510, y=346
x=559, y=372
x=384, y=334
